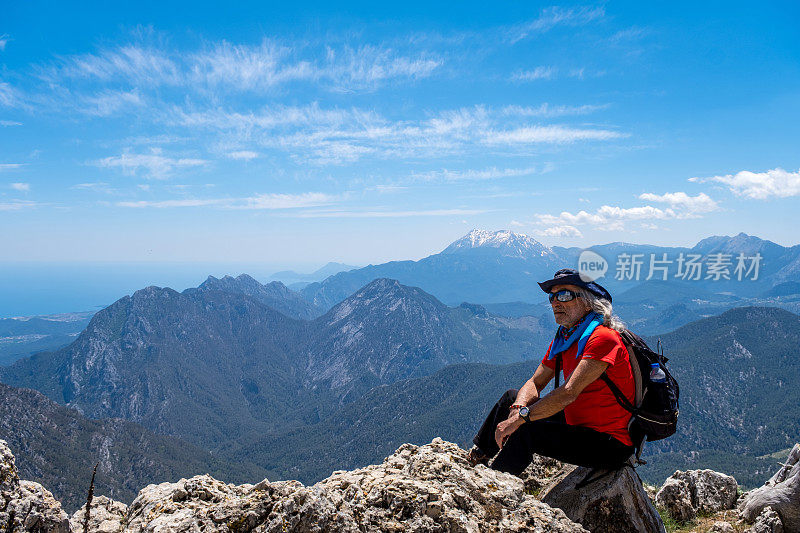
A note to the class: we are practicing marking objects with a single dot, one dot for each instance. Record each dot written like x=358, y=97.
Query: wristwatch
x=524, y=412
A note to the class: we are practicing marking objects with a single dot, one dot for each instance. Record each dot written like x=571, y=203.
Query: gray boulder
x=25, y=505
x=613, y=503
x=676, y=498
x=767, y=522
x=105, y=516
x=722, y=527
x=710, y=491
x=781, y=493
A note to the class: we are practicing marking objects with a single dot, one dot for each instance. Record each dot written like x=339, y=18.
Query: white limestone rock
x=25, y=505
x=722, y=527
x=767, y=522
x=676, y=498
x=709, y=491
x=105, y=516
x=418, y=488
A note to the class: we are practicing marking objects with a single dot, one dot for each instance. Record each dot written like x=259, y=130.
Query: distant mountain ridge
x=274, y=295
x=209, y=365
x=502, y=267
x=60, y=447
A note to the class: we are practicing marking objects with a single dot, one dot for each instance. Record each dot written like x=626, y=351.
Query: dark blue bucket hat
x=569, y=276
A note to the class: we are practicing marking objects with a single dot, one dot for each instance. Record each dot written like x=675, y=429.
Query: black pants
x=551, y=437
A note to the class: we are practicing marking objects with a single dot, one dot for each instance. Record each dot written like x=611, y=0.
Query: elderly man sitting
x=579, y=422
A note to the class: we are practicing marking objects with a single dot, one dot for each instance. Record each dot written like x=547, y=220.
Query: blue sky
x=292, y=135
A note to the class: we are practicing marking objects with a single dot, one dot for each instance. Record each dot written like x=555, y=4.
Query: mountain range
x=60, y=447
x=210, y=365
x=259, y=375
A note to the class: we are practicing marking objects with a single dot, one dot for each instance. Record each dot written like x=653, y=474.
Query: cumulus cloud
x=775, y=183
x=152, y=165
x=558, y=231
x=23, y=187
x=689, y=205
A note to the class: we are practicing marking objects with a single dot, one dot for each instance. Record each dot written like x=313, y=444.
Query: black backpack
x=655, y=406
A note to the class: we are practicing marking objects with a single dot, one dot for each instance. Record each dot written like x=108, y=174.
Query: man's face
x=568, y=313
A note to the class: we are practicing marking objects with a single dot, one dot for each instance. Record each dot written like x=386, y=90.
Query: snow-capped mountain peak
x=509, y=244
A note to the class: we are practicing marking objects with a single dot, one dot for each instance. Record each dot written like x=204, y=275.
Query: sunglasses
x=564, y=295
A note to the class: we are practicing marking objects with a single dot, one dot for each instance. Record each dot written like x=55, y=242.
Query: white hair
x=602, y=307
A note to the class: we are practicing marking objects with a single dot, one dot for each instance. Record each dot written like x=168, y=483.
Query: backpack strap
x=558, y=370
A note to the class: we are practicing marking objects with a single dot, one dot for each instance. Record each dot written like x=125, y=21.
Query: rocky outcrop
x=781, y=493
x=418, y=488
x=427, y=488
x=105, y=516
x=25, y=505
x=684, y=494
x=674, y=496
x=609, y=501
x=767, y=522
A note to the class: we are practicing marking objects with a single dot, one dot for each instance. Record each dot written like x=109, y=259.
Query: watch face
x=524, y=411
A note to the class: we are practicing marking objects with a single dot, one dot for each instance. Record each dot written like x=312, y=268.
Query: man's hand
x=507, y=427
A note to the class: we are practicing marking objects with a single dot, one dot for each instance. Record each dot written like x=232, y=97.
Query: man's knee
x=509, y=396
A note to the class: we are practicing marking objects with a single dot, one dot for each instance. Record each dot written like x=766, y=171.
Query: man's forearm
x=551, y=404
x=528, y=394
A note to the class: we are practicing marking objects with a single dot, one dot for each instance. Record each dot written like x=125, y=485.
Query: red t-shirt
x=596, y=407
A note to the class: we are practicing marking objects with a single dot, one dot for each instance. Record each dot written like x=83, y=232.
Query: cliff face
x=418, y=488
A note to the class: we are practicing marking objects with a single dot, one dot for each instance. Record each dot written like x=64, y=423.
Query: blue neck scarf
x=581, y=334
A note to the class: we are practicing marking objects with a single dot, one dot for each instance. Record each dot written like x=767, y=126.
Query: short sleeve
x=551, y=364
x=604, y=345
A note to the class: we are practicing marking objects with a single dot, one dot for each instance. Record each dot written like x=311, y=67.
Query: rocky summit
x=418, y=488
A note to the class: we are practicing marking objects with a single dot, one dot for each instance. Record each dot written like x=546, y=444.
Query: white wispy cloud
x=288, y=201
x=8, y=95
x=472, y=174
x=689, y=205
x=97, y=186
x=549, y=111
x=8, y=123
x=775, y=183
x=10, y=166
x=24, y=187
x=3, y=41
x=312, y=134
x=539, y=73
x=152, y=165
x=161, y=204
x=245, y=155
x=245, y=67
x=17, y=205
x=139, y=65
x=547, y=73
x=389, y=214
x=255, y=202
x=107, y=103
x=550, y=134
x=552, y=17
